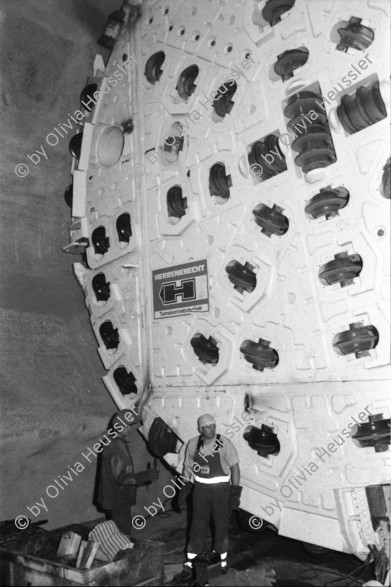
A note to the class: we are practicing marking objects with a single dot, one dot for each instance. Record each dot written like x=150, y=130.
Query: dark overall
x=117, y=496
x=209, y=500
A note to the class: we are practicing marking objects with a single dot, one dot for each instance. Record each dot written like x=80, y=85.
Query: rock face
x=53, y=402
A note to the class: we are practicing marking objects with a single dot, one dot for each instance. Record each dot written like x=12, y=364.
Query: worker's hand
x=180, y=501
x=130, y=480
x=147, y=476
x=234, y=497
x=186, y=485
x=152, y=475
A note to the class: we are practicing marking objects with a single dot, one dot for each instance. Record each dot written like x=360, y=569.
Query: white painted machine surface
x=232, y=200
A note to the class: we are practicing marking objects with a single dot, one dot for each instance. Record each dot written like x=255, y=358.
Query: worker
x=214, y=463
x=118, y=481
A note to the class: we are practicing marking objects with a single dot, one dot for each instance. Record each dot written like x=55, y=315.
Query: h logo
x=169, y=292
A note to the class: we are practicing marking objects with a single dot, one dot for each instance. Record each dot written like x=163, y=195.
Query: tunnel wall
x=54, y=404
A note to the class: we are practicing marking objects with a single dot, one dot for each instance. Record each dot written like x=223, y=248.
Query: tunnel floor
x=252, y=552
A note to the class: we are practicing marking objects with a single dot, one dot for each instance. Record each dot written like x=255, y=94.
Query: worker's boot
x=224, y=567
x=185, y=577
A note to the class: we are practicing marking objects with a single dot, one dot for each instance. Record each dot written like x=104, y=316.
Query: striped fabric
x=110, y=538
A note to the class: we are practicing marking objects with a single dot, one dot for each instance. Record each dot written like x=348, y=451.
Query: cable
x=180, y=550
x=317, y=570
x=346, y=576
x=333, y=572
x=312, y=576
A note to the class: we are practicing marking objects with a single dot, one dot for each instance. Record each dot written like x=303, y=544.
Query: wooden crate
x=143, y=566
